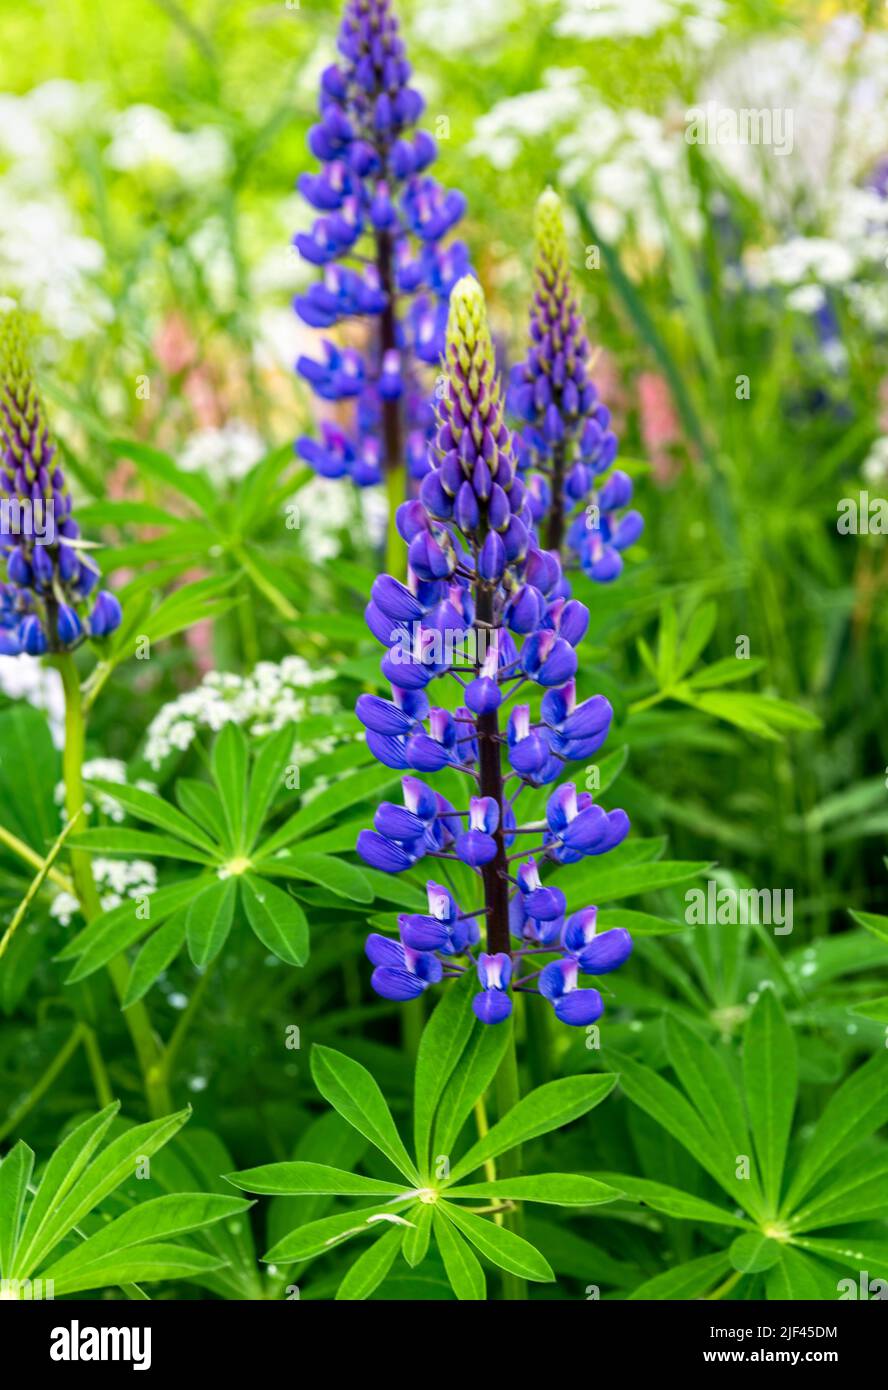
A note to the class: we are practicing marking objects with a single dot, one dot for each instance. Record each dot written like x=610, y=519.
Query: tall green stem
x=508, y=1093
x=146, y=1045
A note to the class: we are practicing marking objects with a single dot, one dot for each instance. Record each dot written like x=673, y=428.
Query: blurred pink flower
x=658, y=423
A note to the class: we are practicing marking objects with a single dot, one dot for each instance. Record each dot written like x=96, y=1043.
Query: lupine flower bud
x=476, y=582
x=49, y=573
x=565, y=429
x=373, y=188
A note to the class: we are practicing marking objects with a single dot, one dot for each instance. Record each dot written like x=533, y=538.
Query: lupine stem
x=555, y=521
x=495, y=873
x=508, y=1093
x=136, y=1017
x=393, y=463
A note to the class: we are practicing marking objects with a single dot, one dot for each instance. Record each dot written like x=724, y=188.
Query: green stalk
x=508, y=1092
x=394, y=546
x=148, y=1050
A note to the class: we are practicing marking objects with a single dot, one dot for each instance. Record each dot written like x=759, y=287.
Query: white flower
x=225, y=454
x=116, y=879
x=807, y=299
x=26, y=678
x=875, y=466
x=105, y=770
x=699, y=20
x=142, y=136
x=498, y=134
x=322, y=516
x=271, y=696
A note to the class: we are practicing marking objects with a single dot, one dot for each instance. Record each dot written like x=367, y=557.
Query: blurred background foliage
x=148, y=158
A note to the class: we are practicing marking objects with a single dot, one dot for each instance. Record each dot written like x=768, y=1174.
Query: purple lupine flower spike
x=375, y=197
x=486, y=607
x=567, y=444
x=47, y=602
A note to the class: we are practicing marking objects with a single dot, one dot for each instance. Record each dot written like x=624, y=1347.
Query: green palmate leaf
x=548, y=1107
x=266, y=781
x=352, y=1091
x=558, y=1189
x=114, y=840
x=478, y=1065
x=317, y=1237
x=365, y=785
x=200, y=801
x=687, y=1281
x=15, y=1174
x=209, y=920
x=120, y=920
x=277, y=919
x=695, y=638
x=132, y=920
x=876, y=1009
x=857, y=1109
x=460, y=1261
x=108, y=1170
x=150, y=1221
x=416, y=1239
x=708, y=1083
x=860, y=1193
x=441, y=1046
x=500, y=1245
x=60, y=1175
x=600, y=883
x=146, y=806
x=754, y=1252
x=873, y=922
x=27, y=783
x=770, y=1075
x=665, y=1104
x=671, y=1200
x=154, y=463
x=343, y=880
x=142, y=1263
x=638, y=923
x=298, y=1179
x=797, y=1277
x=228, y=765
x=158, y=951
x=371, y=1267
x=725, y=671
x=863, y=1255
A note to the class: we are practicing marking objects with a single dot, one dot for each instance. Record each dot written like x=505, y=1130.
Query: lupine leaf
x=118, y=920
x=463, y=1267
x=159, y=950
x=371, y=1267
x=106, y=1172
x=858, y=1194
x=855, y=1110
x=685, y=1282
x=342, y=879
x=146, y=806
x=142, y=1263
x=558, y=1189
x=296, y=1179
x=365, y=785
x=112, y=839
x=596, y=881
x=441, y=1046
x=266, y=780
x=477, y=1067
x=500, y=1245
x=15, y=1174
x=319, y=1236
x=754, y=1252
x=797, y=1277
x=200, y=801
x=770, y=1074
x=548, y=1107
x=228, y=764
x=209, y=920
x=416, y=1239
x=277, y=919
x=352, y=1091
x=671, y=1200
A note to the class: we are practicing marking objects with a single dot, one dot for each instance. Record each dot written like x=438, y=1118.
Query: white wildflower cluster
x=44, y=257
x=26, y=678
x=116, y=880
x=269, y=697
x=321, y=517
x=105, y=770
x=875, y=465
x=699, y=22
x=225, y=454
x=143, y=137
